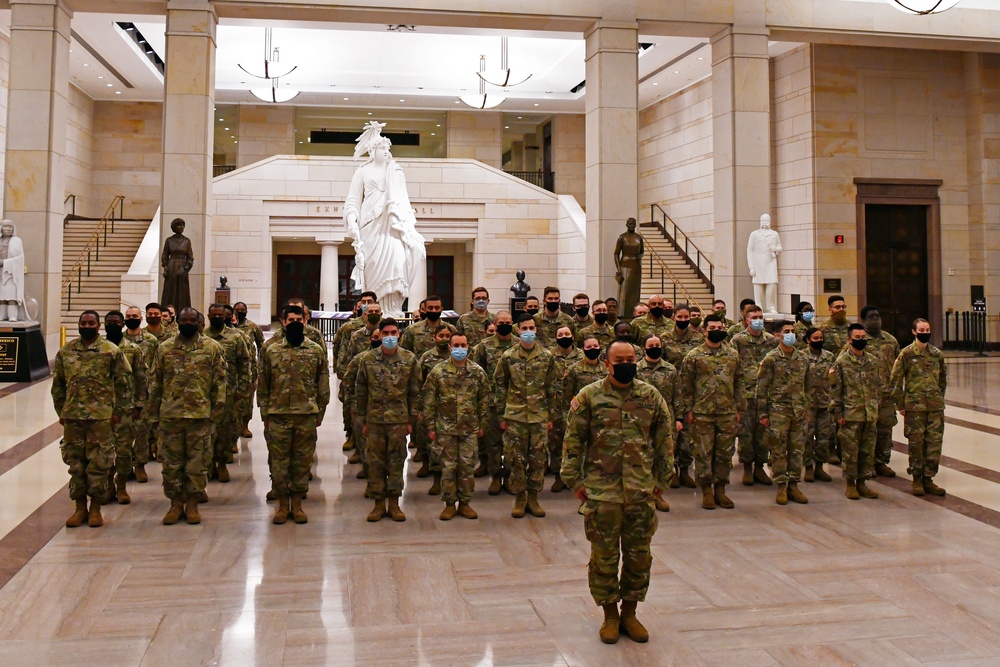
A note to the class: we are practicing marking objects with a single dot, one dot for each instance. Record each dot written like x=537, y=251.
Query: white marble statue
x=390, y=258
x=11, y=272
x=763, y=249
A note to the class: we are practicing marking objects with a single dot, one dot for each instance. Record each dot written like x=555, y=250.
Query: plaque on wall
x=831, y=285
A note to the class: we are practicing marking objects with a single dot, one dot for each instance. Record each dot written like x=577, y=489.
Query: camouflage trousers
x=786, y=440
x=88, y=449
x=617, y=530
x=883, y=430
x=183, y=443
x=348, y=422
x=857, y=446
x=359, y=439
x=555, y=440
x=924, y=432
x=491, y=445
x=227, y=434
x=683, y=456
x=713, y=439
x=820, y=434
x=428, y=453
x=291, y=442
x=140, y=448
x=385, y=453
x=246, y=409
x=124, y=434
x=525, y=448
x=753, y=448
x=457, y=454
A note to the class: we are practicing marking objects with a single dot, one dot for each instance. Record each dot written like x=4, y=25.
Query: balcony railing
x=220, y=169
x=543, y=179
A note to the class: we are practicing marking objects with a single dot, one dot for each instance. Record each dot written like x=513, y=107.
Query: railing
x=92, y=251
x=966, y=331
x=71, y=198
x=667, y=276
x=543, y=179
x=220, y=169
x=694, y=257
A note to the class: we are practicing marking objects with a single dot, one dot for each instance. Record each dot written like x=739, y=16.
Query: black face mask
x=816, y=345
x=592, y=353
x=153, y=321
x=241, y=316
x=656, y=312
x=88, y=334
x=295, y=333
x=375, y=344
x=133, y=323
x=442, y=345
x=601, y=318
x=583, y=312
x=654, y=352
x=432, y=317
x=682, y=324
x=504, y=329
x=859, y=343
x=924, y=337
x=565, y=342
x=717, y=335
x=217, y=323
x=531, y=311
x=668, y=312
x=624, y=373
x=552, y=306
x=373, y=318
x=696, y=322
x=113, y=332
x=187, y=330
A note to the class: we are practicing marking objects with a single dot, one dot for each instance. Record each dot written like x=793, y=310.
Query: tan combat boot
x=349, y=444
x=821, y=475
x=298, y=515
x=781, y=497
x=121, y=491
x=140, y=474
x=864, y=491
x=377, y=512
x=246, y=432
x=465, y=510
x=425, y=468
x=78, y=516
x=534, y=509
x=496, y=485
x=435, y=489
x=686, y=480
x=634, y=630
x=932, y=488
x=797, y=496
x=558, y=485
x=223, y=473
x=363, y=473
x=111, y=497
x=661, y=504
x=810, y=475
x=392, y=507
x=760, y=475
x=281, y=513
x=609, y=628
x=520, y=501
x=94, y=519
x=707, y=497
x=675, y=481
x=191, y=511
x=173, y=515
x=882, y=470
x=354, y=458
x=480, y=470
x=202, y=496
x=721, y=499
x=851, y=490
x=448, y=513
x=747, y=474
x=918, y=485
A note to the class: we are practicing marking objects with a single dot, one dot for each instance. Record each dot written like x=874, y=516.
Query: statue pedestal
x=22, y=352
x=517, y=306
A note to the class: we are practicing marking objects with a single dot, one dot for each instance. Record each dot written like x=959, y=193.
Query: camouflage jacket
x=564, y=361
x=91, y=381
x=311, y=333
x=676, y=347
x=140, y=375
x=487, y=355
x=855, y=387
x=644, y=325
x=752, y=350
x=664, y=377
x=188, y=380
x=387, y=390
x=147, y=342
x=472, y=326
x=885, y=347
x=919, y=379
x=712, y=382
x=163, y=334
x=588, y=321
x=294, y=381
x=456, y=399
x=617, y=443
x=819, y=378
x=578, y=376
x=604, y=335
x=237, y=362
x=783, y=383
x=356, y=342
x=256, y=335
x=835, y=336
x=734, y=329
x=548, y=326
x=419, y=336
x=526, y=385
x=430, y=359
x=252, y=353
x=348, y=381
x=341, y=340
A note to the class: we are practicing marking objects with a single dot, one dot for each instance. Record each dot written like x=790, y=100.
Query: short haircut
x=531, y=298
x=525, y=317
x=622, y=324
x=441, y=326
x=694, y=309
x=712, y=318
x=433, y=297
x=754, y=308
x=616, y=341
x=480, y=289
x=458, y=335
x=810, y=331
x=834, y=298
x=371, y=295
x=297, y=301
x=802, y=306
x=502, y=312
x=719, y=301
x=784, y=323
x=226, y=307
x=855, y=327
x=550, y=290
x=487, y=323
x=96, y=314
x=191, y=308
x=868, y=309
x=118, y=313
x=388, y=322
x=581, y=295
x=586, y=338
x=611, y=299
x=915, y=322
x=153, y=306
x=217, y=305
x=747, y=302
x=599, y=302
x=239, y=303
x=292, y=310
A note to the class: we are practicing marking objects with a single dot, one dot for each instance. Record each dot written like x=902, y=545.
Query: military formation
x=617, y=411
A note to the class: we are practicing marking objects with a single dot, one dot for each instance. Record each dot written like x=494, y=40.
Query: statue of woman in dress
x=11, y=272
x=177, y=259
x=628, y=266
x=389, y=252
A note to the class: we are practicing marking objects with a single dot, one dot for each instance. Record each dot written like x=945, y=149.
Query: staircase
x=667, y=271
x=101, y=290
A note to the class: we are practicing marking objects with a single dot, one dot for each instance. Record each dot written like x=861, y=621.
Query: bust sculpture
x=628, y=267
x=520, y=288
x=763, y=249
x=223, y=283
x=177, y=259
x=11, y=272
x=388, y=251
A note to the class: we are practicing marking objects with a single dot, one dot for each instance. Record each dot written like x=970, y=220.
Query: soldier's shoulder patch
x=574, y=405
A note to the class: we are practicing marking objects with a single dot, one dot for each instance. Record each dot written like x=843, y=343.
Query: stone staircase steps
x=689, y=285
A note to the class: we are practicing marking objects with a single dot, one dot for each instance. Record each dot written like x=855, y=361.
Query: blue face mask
x=459, y=353
x=788, y=339
x=757, y=325
x=364, y=308
x=480, y=304
x=807, y=315
x=389, y=342
x=527, y=337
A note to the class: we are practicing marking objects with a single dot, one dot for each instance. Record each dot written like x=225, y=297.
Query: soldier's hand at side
x=503, y=425
x=115, y=419
x=737, y=416
x=841, y=421
x=765, y=422
x=902, y=412
x=319, y=422
x=658, y=492
x=481, y=433
x=689, y=418
x=680, y=425
x=549, y=426
x=364, y=430
x=581, y=494
x=409, y=429
x=432, y=435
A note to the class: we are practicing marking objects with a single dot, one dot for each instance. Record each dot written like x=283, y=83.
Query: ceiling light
x=520, y=117
x=700, y=58
x=536, y=104
x=110, y=85
x=506, y=127
x=504, y=76
x=433, y=134
x=86, y=64
x=346, y=99
x=100, y=76
x=274, y=94
x=271, y=56
x=438, y=125
x=677, y=71
x=923, y=7
x=369, y=113
x=402, y=100
x=118, y=92
x=300, y=142
x=226, y=129
x=220, y=120
x=655, y=84
x=482, y=100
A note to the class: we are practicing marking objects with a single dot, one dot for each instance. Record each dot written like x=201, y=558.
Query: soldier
x=227, y=430
x=357, y=342
x=600, y=329
x=487, y=355
x=293, y=394
x=455, y=410
x=640, y=310
x=713, y=396
x=835, y=338
x=187, y=395
x=549, y=321
x=612, y=304
x=346, y=395
x=617, y=467
x=125, y=430
x=919, y=380
x=91, y=392
x=253, y=329
x=752, y=346
x=624, y=330
x=438, y=354
x=820, y=431
x=855, y=393
x=675, y=346
x=657, y=321
x=741, y=326
x=154, y=323
x=782, y=387
x=525, y=381
x=531, y=306
x=170, y=319
x=696, y=318
x=311, y=332
x=386, y=399
x=147, y=342
x=581, y=312
x=804, y=315
x=419, y=336
x=654, y=370
x=343, y=334
x=565, y=354
x=885, y=349
x=719, y=310
x=489, y=329
x=472, y=324
x=584, y=371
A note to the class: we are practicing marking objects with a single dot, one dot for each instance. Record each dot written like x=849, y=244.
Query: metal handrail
x=665, y=272
x=69, y=197
x=694, y=257
x=93, y=246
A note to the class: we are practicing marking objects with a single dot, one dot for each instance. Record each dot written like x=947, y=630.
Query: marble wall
x=79, y=153
x=127, y=156
x=569, y=147
x=265, y=131
x=477, y=135
x=4, y=86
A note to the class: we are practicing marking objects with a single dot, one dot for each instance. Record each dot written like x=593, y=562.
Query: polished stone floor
x=896, y=581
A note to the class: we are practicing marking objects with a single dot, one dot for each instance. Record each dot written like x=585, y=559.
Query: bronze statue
x=628, y=268
x=520, y=288
x=177, y=259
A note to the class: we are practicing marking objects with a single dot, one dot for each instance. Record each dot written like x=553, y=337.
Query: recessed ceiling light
x=100, y=76
x=438, y=125
x=346, y=98
x=433, y=134
x=677, y=71
x=506, y=127
x=232, y=136
x=220, y=120
x=236, y=142
x=226, y=129
x=369, y=113
x=536, y=104
x=71, y=50
x=402, y=100
x=520, y=117
x=700, y=58
x=456, y=101
x=655, y=84
x=86, y=64
x=118, y=92
x=110, y=85
x=300, y=142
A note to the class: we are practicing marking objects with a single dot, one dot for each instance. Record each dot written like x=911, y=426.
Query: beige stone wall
x=4, y=85
x=477, y=135
x=265, y=131
x=128, y=156
x=569, y=148
x=79, y=153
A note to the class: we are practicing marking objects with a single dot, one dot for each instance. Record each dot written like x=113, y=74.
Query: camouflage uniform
x=153, y=439
x=187, y=395
x=919, y=380
x=348, y=384
x=227, y=430
x=91, y=383
x=821, y=429
x=752, y=350
x=565, y=359
x=353, y=344
x=125, y=430
x=419, y=336
x=885, y=348
x=547, y=327
x=736, y=328
x=456, y=406
x=578, y=376
x=588, y=321
x=428, y=360
x=617, y=448
x=293, y=393
x=311, y=333
x=835, y=336
x=663, y=377
x=712, y=387
x=525, y=382
x=254, y=338
x=487, y=355
x=340, y=339
x=604, y=335
x=387, y=394
x=647, y=324
x=141, y=429
x=782, y=387
x=473, y=327
x=675, y=348
x=855, y=392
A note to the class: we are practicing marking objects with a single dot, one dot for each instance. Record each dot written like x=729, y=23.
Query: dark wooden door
x=298, y=276
x=896, y=265
x=348, y=292
x=441, y=280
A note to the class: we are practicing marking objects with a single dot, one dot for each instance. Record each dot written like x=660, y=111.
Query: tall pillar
x=36, y=145
x=612, y=152
x=329, y=275
x=741, y=141
x=188, y=134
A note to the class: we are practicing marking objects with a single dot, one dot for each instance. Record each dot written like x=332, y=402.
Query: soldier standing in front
x=752, y=346
x=125, y=429
x=487, y=355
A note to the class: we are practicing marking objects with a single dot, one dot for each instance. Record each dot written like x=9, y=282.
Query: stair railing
x=659, y=269
x=92, y=251
x=70, y=198
x=692, y=255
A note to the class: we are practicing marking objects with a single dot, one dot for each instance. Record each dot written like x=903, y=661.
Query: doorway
x=896, y=261
x=441, y=279
x=298, y=276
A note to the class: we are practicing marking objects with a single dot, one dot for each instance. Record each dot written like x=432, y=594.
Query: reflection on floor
x=897, y=581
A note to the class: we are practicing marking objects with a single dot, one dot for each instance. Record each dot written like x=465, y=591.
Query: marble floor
x=896, y=581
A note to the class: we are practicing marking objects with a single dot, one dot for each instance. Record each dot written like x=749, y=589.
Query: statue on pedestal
x=628, y=267
x=177, y=259
x=11, y=272
x=520, y=288
x=389, y=252
x=763, y=249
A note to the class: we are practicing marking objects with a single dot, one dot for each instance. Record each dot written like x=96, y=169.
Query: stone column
x=741, y=143
x=612, y=177
x=329, y=274
x=188, y=134
x=36, y=145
